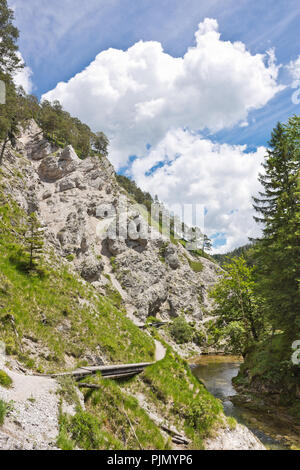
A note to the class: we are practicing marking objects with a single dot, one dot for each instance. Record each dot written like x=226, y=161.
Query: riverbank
x=274, y=430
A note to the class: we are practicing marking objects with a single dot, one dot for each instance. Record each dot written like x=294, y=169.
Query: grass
x=113, y=420
x=68, y=390
x=181, y=331
x=180, y=398
x=269, y=371
x=4, y=410
x=65, y=320
x=232, y=423
x=5, y=380
x=196, y=266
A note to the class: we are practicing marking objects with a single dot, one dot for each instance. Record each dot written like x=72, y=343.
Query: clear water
x=217, y=372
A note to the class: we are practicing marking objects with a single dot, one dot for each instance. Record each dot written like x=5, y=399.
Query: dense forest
x=258, y=299
x=245, y=250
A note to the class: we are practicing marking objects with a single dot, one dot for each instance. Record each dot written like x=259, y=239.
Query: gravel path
x=33, y=421
x=160, y=351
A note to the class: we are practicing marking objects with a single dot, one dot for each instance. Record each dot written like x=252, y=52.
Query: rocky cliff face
x=78, y=203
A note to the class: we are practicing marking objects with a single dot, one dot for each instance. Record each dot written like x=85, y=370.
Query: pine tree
x=9, y=64
x=9, y=59
x=207, y=244
x=100, y=143
x=278, y=252
x=34, y=242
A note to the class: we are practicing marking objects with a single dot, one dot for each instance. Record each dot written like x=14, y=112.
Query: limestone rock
x=68, y=193
x=91, y=269
x=57, y=166
x=116, y=247
x=41, y=149
x=65, y=185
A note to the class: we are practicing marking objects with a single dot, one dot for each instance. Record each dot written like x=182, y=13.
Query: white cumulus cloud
x=144, y=97
x=294, y=69
x=23, y=77
x=136, y=96
x=193, y=170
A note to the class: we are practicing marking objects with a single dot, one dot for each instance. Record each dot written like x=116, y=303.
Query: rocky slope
x=79, y=203
x=58, y=322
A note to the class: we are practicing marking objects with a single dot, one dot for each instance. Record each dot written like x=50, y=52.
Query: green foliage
x=3, y=411
x=231, y=423
x=278, y=252
x=121, y=415
x=49, y=309
x=68, y=390
x=196, y=266
x=181, y=331
x=62, y=129
x=174, y=388
x=5, y=380
x=112, y=420
x=114, y=296
x=34, y=242
x=140, y=197
x=246, y=251
x=5, y=408
x=207, y=243
x=237, y=307
x=58, y=126
x=268, y=368
x=100, y=143
x=9, y=60
x=84, y=431
x=113, y=263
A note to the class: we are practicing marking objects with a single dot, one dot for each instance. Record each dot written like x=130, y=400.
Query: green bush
x=196, y=266
x=5, y=380
x=85, y=431
x=4, y=409
x=181, y=331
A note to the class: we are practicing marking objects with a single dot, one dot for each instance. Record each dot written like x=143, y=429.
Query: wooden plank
x=106, y=371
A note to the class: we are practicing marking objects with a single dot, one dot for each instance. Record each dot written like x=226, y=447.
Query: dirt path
x=33, y=421
x=160, y=351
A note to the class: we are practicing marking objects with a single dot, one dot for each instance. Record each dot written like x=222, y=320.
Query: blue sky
x=61, y=43
x=59, y=39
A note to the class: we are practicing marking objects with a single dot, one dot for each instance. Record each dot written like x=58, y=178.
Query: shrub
x=181, y=331
x=196, y=266
x=4, y=409
x=5, y=380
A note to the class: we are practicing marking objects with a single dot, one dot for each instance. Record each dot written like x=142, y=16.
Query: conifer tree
x=9, y=59
x=34, y=242
x=9, y=63
x=278, y=252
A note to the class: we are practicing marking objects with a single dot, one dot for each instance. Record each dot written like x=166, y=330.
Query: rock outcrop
x=82, y=207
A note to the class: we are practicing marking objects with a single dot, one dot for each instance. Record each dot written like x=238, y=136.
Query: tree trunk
x=3, y=149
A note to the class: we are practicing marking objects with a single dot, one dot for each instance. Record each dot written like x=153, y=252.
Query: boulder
x=91, y=269
x=173, y=261
x=57, y=166
x=66, y=185
x=116, y=247
x=41, y=150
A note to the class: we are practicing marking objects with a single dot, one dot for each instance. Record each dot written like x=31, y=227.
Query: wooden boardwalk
x=109, y=372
